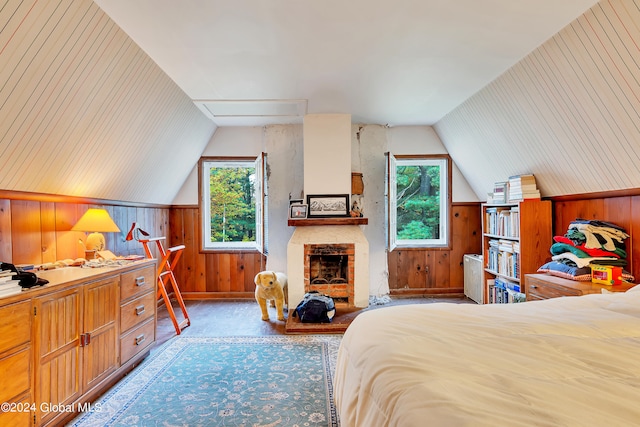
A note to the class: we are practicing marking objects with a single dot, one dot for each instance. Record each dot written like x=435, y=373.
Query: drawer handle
x=139, y=310
x=140, y=339
x=140, y=281
x=533, y=286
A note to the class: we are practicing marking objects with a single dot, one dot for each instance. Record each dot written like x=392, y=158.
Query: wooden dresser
x=544, y=286
x=63, y=344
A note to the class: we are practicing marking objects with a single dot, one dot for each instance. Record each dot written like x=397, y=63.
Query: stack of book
x=522, y=187
x=499, y=194
x=8, y=286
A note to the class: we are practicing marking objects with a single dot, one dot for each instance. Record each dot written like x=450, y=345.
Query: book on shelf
x=500, y=192
x=502, y=221
x=516, y=197
x=515, y=222
x=515, y=297
x=493, y=255
x=523, y=187
x=504, y=291
x=505, y=245
x=523, y=179
x=490, y=292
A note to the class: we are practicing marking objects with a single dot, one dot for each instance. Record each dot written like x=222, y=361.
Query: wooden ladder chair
x=168, y=258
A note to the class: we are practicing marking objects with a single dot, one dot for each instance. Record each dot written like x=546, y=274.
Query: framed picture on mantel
x=297, y=211
x=327, y=205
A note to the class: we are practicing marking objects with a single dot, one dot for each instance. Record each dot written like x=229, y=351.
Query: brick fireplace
x=331, y=259
x=330, y=269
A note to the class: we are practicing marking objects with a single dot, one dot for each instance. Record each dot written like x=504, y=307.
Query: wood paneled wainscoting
x=620, y=208
x=438, y=271
x=230, y=274
x=411, y=271
x=36, y=228
x=210, y=275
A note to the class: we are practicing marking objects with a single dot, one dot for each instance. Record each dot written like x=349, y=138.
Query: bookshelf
x=516, y=238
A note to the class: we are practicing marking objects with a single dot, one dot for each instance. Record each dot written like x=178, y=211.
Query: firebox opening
x=328, y=269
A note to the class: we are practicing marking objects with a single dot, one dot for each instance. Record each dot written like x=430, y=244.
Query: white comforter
x=572, y=361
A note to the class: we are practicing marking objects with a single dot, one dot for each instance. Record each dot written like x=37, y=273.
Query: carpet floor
x=226, y=381
x=212, y=320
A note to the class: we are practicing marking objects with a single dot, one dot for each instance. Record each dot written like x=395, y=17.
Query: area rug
x=226, y=381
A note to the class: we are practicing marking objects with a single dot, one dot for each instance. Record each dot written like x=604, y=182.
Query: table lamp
x=96, y=222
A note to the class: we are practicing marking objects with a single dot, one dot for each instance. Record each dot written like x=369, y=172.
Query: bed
x=572, y=361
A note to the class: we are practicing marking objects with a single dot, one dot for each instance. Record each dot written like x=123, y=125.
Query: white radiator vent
x=473, y=278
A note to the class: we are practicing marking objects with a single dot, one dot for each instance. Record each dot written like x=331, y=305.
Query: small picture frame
x=297, y=211
x=328, y=205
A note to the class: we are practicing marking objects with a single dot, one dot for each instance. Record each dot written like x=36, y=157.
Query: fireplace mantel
x=327, y=221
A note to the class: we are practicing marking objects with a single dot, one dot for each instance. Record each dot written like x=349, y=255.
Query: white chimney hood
x=327, y=154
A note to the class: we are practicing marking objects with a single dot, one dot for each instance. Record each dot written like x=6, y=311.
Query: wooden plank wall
x=618, y=210
x=230, y=274
x=212, y=274
x=438, y=271
x=36, y=231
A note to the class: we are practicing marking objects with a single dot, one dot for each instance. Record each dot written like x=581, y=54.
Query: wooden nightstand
x=544, y=286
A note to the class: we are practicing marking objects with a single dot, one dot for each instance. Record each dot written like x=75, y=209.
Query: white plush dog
x=271, y=285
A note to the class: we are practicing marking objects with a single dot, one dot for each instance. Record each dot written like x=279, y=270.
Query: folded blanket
x=584, y=262
x=560, y=248
x=594, y=252
x=597, y=223
x=607, y=233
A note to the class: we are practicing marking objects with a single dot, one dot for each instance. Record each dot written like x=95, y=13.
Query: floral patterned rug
x=226, y=381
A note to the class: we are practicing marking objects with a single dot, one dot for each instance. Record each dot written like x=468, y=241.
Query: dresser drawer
x=137, y=282
x=12, y=384
x=137, y=311
x=539, y=290
x=15, y=325
x=136, y=340
x=543, y=286
x=19, y=414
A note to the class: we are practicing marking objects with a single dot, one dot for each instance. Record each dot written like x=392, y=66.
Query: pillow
x=579, y=274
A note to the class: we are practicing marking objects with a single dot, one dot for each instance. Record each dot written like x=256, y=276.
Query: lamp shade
x=96, y=220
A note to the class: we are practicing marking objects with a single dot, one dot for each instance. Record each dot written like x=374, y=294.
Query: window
x=418, y=201
x=232, y=202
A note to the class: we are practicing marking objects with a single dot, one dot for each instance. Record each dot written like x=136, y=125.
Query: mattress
x=572, y=361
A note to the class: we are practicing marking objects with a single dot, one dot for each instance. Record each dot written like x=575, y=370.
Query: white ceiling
x=400, y=62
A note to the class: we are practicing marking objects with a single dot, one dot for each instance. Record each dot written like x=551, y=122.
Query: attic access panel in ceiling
x=252, y=111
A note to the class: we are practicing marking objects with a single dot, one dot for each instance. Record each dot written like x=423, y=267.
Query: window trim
x=260, y=244
x=392, y=242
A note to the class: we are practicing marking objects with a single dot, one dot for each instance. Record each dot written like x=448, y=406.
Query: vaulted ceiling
x=120, y=103
x=401, y=62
